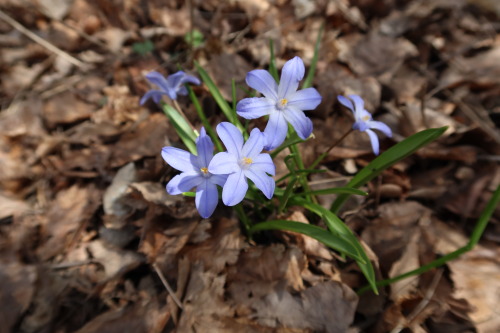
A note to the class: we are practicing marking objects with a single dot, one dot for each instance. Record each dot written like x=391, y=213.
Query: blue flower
x=242, y=161
x=172, y=86
x=283, y=103
x=195, y=174
x=363, y=120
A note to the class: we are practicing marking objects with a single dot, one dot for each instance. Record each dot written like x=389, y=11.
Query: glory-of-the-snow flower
x=195, y=173
x=283, y=103
x=242, y=161
x=363, y=120
x=171, y=86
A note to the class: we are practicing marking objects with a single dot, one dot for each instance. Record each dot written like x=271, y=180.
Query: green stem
x=325, y=153
x=300, y=165
x=244, y=219
x=204, y=119
x=476, y=235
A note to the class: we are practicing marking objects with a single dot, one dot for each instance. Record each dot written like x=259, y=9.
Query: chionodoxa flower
x=195, y=173
x=172, y=86
x=363, y=120
x=283, y=103
x=242, y=161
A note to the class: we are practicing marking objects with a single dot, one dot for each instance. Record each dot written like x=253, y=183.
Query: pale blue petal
x=254, y=144
x=182, y=91
x=305, y=99
x=231, y=137
x=346, y=102
x=191, y=79
x=263, y=182
x=154, y=94
x=205, y=148
x=183, y=182
x=188, y=181
x=223, y=163
x=275, y=130
x=374, y=141
x=235, y=189
x=218, y=179
x=159, y=80
x=175, y=80
x=359, y=104
x=378, y=125
x=264, y=163
x=263, y=82
x=291, y=74
x=360, y=125
x=179, y=159
x=254, y=107
x=302, y=125
x=206, y=199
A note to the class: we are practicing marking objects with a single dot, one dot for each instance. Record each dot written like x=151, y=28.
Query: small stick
x=40, y=40
x=167, y=286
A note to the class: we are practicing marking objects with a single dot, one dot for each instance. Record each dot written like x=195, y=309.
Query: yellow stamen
x=283, y=102
x=366, y=118
x=204, y=170
x=247, y=160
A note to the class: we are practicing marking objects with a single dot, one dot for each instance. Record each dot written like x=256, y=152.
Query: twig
x=18, y=26
x=167, y=286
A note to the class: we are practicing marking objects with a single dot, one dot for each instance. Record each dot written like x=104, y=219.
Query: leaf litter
x=85, y=218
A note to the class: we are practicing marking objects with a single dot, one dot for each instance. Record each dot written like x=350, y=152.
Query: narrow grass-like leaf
x=183, y=129
x=221, y=102
x=312, y=69
x=476, y=235
x=388, y=158
x=272, y=62
x=334, y=190
x=338, y=227
x=291, y=140
x=286, y=195
x=306, y=171
x=313, y=231
x=204, y=119
x=189, y=194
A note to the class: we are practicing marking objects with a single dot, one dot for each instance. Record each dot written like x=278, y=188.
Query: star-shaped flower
x=242, y=161
x=283, y=103
x=172, y=86
x=195, y=174
x=363, y=120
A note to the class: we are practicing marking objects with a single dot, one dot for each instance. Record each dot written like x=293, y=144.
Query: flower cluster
x=231, y=169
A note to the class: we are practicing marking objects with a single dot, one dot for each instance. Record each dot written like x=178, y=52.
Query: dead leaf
x=18, y=288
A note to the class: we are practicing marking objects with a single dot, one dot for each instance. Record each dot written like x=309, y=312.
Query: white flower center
x=205, y=172
x=281, y=104
x=245, y=162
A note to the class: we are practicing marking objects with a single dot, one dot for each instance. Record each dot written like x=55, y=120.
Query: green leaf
x=204, y=119
x=194, y=38
x=272, y=62
x=143, y=48
x=334, y=190
x=337, y=227
x=312, y=69
x=388, y=158
x=219, y=99
x=313, y=231
x=183, y=129
x=189, y=194
x=291, y=140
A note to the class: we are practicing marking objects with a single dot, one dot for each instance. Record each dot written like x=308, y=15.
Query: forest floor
x=88, y=233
